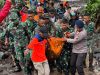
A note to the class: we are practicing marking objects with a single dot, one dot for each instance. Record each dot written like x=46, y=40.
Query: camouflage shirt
x=30, y=26
x=60, y=32
x=90, y=33
x=17, y=35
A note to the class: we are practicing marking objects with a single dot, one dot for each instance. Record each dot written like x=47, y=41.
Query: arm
x=5, y=10
x=26, y=33
x=72, y=34
x=77, y=38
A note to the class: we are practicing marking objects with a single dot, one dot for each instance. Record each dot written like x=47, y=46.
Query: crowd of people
x=29, y=25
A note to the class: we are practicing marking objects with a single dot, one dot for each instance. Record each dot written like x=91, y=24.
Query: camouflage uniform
x=30, y=26
x=18, y=38
x=90, y=41
x=2, y=40
x=19, y=4
x=29, y=29
x=2, y=33
x=63, y=60
x=13, y=18
x=50, y=25
x=20, y=1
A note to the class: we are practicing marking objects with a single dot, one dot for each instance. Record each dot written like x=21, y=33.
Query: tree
x=93, y=8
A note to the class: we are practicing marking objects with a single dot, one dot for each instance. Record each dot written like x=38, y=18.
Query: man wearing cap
x=79, y=50
x=50, y=25
x=38, y=46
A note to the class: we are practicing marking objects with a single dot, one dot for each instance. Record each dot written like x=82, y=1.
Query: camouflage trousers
x=25, y=61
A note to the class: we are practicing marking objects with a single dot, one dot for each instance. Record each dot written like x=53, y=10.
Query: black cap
x=44, y=30
x=79, y=23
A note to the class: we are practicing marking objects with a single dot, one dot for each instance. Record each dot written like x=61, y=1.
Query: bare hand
x=64, y=39
x=26, y=52
x=67, y=34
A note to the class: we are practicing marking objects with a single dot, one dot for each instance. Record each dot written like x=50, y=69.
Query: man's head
x=73, y=15
x=61, y=5
x=64, y=24
x=86, y=18
x=43, y=32
x=59, y=19
x=79, y=25
x=40, y=10
x=68, y=9
x=52, y=13
x=46, y=17
x=81, y=17
x=51, y=4
x=30, y=15
x=41, y=22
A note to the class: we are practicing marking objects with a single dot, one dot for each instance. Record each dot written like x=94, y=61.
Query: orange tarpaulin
x=56, y=45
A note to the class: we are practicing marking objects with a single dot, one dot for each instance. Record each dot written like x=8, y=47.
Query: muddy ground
x=5, y=69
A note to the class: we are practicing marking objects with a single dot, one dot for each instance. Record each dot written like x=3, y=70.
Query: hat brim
x=45, y=34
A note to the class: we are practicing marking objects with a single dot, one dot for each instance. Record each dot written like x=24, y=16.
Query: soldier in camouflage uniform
x=50, y=25
x=64, y=59
x=29, y=26
x=13, y=18
x=18, y=37
x=89, y=26
x=2, y=34
x=2, y=39
x=12, y=48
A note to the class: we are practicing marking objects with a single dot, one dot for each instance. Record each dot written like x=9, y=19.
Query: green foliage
x=93, y=8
